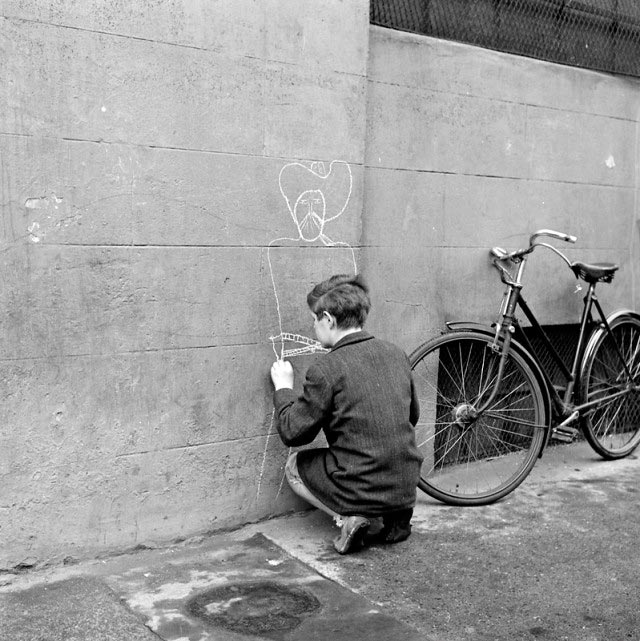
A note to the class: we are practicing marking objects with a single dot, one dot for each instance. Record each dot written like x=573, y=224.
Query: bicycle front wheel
x=469, y=459
x=613, y=427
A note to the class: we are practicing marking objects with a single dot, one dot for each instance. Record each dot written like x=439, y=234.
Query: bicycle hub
x=464, y=414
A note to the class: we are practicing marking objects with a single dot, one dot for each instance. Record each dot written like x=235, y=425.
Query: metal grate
x=564, y=339
x=595, y=34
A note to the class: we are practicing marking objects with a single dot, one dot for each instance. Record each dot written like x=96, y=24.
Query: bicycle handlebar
x=503, y=254
x=567, y=238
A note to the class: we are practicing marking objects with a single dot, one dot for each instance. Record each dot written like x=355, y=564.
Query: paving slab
x=75, y=609
x=246, y=590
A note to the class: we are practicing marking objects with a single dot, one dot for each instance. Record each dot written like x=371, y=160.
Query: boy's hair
x=345, y=297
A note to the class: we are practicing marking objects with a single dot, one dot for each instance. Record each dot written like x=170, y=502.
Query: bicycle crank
x=564, y=432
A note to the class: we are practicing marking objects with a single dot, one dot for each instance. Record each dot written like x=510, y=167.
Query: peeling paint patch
x=48, y=215
x=610, y=162
x=33, y=230
x=43, y=202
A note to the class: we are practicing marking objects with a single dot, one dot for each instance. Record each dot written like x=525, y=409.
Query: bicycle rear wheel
x=477, y=461
x=613, y=428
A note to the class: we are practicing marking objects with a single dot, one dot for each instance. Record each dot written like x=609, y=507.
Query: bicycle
x=489, y=405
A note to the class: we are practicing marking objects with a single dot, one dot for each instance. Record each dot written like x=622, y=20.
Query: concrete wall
x=467, y=149
x=140, y=153
x=152, y=164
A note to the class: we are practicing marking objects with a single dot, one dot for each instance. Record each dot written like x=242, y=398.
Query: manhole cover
x=254, y=608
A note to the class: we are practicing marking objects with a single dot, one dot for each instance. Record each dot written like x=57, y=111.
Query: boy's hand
x=282, y=374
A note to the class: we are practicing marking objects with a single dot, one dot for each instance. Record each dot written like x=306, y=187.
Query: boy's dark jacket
x=361, y=394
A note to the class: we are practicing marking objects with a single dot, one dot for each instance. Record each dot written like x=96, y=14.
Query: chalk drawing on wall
x=314, y=195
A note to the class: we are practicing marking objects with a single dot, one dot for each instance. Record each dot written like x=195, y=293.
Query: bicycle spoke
x=451, y=378
x=451, y=445
x=463, y=370
x=522, y=422
x=513, y=392
x=609, y=421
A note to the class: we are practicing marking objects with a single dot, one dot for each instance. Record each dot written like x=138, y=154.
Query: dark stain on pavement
x=263, y=608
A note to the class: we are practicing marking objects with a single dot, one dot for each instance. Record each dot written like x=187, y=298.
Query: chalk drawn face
x=315, y=195
x=309, y=212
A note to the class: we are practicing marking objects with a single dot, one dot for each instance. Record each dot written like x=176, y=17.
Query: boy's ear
x=332, y=319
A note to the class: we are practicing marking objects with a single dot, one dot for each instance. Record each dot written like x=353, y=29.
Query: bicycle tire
x=612, y=429
x=486, y=460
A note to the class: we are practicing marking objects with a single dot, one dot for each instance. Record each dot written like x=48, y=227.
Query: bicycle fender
x=460, y=326
x=623, y=312
x=599, y=330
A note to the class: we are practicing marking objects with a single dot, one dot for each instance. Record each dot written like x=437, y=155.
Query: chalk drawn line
x=311, y=227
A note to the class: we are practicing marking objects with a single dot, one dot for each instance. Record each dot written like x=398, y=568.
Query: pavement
x=556, y=560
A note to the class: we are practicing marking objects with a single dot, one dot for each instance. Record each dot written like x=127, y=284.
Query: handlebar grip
x=567, y=238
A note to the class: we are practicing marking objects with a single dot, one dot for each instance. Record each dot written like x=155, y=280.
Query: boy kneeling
x=361, y=395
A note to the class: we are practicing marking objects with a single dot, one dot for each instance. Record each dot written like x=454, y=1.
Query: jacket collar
x=356, y=337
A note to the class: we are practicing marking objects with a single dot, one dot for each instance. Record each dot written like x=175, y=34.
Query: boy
x=361, y=395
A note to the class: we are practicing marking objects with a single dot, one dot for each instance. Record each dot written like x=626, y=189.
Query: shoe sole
x=354, y=540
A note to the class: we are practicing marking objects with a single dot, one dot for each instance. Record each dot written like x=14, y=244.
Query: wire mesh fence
x=595, y=34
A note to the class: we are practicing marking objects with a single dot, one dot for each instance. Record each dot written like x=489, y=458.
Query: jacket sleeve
x=300, y=418
x=414, y=411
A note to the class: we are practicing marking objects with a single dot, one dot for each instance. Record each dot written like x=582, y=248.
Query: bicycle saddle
x=594, y=273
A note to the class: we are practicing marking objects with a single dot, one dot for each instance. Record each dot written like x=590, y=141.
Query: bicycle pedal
x=563, y=433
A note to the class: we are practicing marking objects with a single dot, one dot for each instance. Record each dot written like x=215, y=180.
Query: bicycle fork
x=504, y=330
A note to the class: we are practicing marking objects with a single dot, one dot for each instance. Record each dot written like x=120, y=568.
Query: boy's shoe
x=396, y=527
x=354, y=529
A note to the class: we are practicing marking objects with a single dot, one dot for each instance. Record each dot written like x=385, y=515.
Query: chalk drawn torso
x=314, y=196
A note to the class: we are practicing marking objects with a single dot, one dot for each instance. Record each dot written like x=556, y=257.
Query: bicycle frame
x=563, y=405
x=509, y=326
